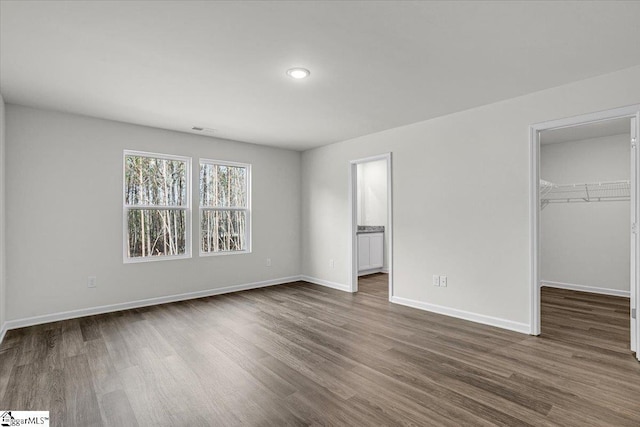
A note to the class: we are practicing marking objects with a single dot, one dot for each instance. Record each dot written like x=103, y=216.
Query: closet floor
x=596, y=322
x=301, y=354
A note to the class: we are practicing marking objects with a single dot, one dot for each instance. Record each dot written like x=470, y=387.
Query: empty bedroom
x=351, y=213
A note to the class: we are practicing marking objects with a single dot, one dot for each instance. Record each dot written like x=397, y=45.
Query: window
x=225, y=200
x=157, y=217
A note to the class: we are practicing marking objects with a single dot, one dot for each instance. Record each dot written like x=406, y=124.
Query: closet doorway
x=371, y=228
x=584, y=228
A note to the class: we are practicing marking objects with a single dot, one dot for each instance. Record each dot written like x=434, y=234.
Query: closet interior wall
x=586, y=244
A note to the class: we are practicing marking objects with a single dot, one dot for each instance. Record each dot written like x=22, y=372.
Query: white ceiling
x=374, y=65
x=588, y=131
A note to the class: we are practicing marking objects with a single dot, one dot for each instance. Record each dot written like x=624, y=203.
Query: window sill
x=225, y=253
x=141, y=260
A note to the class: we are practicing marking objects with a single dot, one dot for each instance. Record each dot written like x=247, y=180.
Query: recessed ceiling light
x=298, y=73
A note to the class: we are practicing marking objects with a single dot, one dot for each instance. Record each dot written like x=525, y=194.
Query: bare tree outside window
x=156, y=205
x=224, y=207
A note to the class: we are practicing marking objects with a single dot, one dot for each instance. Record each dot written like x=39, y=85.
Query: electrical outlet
x=443, y=281
x=92, y=282
x=332, y=263
x=268, y=262
x=436, y=280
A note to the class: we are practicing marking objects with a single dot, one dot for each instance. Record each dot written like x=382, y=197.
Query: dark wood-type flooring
x=301, y=354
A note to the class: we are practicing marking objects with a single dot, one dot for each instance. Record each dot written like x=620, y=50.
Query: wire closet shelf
x=609, y=191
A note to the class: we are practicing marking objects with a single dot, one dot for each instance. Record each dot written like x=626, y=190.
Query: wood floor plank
x=89, y=328
x=82, y=407
x=300, y=354
x=7, y=362
x=20, y=391
x=72, y=340
x=116, y=410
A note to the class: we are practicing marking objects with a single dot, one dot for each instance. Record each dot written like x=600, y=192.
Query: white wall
x=64, y=210
x=461, y=199
x=3, y=300
x=372, y=193
x=372, y=197
x=586, y=244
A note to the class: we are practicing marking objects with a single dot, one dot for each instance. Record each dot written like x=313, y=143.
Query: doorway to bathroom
x=371, y=225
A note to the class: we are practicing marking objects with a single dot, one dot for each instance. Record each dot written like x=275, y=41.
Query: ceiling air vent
x=202, y=129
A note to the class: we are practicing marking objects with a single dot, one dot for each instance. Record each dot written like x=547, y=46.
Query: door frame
x=631, y=112
x=353, y=219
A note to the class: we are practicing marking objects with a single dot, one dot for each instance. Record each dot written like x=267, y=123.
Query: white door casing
x=633, y=113
x=635, y=236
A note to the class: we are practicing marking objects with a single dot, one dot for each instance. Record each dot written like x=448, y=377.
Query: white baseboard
x=583, y=288
x=328, y=284
x=466, y=315
x=54, y=317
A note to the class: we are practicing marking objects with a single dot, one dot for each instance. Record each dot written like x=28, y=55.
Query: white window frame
x=126, y=208
x=247, y=209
